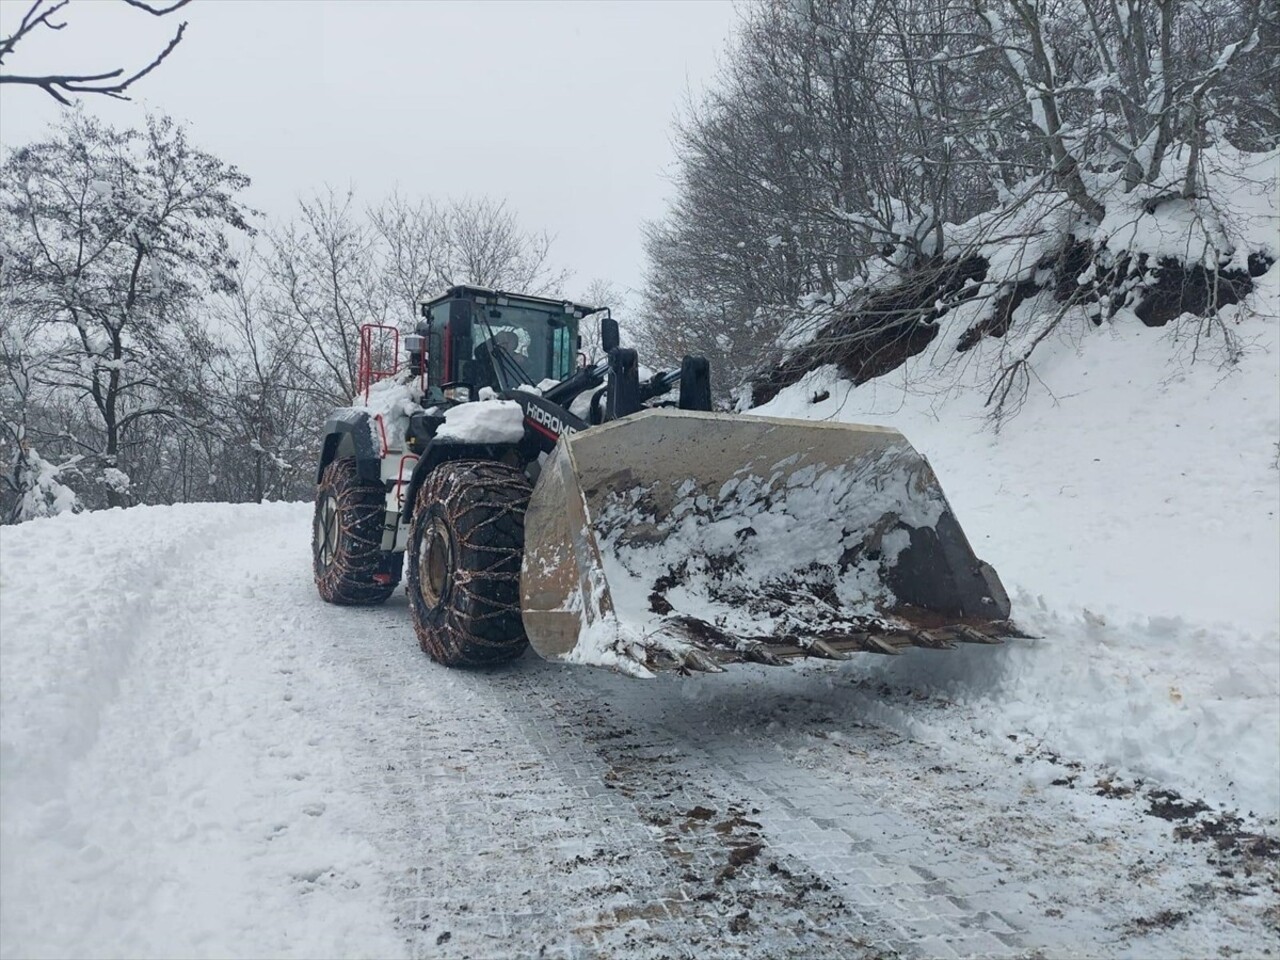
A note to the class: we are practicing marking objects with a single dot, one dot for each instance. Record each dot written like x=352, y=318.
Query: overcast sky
x=564, y=108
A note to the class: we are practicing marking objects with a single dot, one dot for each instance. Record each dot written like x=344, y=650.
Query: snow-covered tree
x=112, y=238
x=831, y=164
x=30, y=485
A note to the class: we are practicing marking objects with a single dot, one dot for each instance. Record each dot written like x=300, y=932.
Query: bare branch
x=63, y=86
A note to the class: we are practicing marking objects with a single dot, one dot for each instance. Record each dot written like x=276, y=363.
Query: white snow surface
x=200, y=758
x=485, y=421
x=1132, y=509
x=774, y=529
x=163, y=792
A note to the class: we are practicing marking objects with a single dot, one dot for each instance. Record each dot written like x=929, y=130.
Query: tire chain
x=361, y=507
x=479, y=622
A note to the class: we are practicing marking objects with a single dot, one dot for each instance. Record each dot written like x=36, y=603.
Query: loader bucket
x=684, y=539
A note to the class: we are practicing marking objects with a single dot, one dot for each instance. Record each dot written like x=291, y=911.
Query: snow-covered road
x=202, y=759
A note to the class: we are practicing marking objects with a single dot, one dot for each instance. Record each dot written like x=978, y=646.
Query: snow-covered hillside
x=1133, y=505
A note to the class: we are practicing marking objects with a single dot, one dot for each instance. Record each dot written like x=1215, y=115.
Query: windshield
x=539, y=342
x=542, y=343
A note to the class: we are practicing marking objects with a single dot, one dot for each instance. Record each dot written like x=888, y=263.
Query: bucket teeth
x=968, y=634
x=759, y=653
x=820, y=648
x=934, y=639
x=881, y=645
x=695, y=660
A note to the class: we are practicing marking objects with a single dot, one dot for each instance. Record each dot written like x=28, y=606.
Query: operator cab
x=487, y=338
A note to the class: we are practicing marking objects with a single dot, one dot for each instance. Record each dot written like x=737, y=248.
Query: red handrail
x=400, y=480
x=368, y=370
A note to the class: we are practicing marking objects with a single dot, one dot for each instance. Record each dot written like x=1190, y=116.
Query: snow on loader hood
x=485, y=421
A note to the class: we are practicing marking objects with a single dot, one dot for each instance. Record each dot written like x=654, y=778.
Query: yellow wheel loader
x=604, y=515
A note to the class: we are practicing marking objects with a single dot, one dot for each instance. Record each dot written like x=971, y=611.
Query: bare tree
x=605, y=295
x=337, y=266
x=485, y=245
x=414, y=250
x=62, y=86
x=266, y=416
x=326, y=273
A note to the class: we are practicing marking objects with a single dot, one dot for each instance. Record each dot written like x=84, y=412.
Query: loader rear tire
x=346, y=538
x=466, y=542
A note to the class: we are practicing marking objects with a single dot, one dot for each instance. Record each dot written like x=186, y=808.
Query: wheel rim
x=435, y=562
x=327, y=531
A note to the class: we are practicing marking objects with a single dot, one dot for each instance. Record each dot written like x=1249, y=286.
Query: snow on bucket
x=688, y=539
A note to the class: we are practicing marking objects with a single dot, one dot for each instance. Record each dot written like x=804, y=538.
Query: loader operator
x=508, y=343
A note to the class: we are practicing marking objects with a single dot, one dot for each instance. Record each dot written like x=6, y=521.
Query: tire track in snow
x=514, y=839
x=547, y=809
x=947, y=843
x=877, y=868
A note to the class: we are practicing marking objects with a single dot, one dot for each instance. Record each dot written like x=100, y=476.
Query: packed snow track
x=200, y=758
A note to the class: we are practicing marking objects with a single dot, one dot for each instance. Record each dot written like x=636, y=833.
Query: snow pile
x=538, y=389
x=485, y=421
x=390, y=403
x=1132, y=507
x=1234, y=218
x=603, y=639
x=751, y=554
x=580, y=406
x=116, y=479
x=1145, y=230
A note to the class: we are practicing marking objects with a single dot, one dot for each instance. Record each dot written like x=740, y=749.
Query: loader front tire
x=346, y=538
x=466, y=541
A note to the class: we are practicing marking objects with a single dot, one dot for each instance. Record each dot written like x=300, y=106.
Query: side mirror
x=609, y=334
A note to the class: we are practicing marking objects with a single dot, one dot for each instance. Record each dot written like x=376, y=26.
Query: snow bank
x=1184, y=705
x=162, y=793
x=485, y=421
x=1133, y=507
